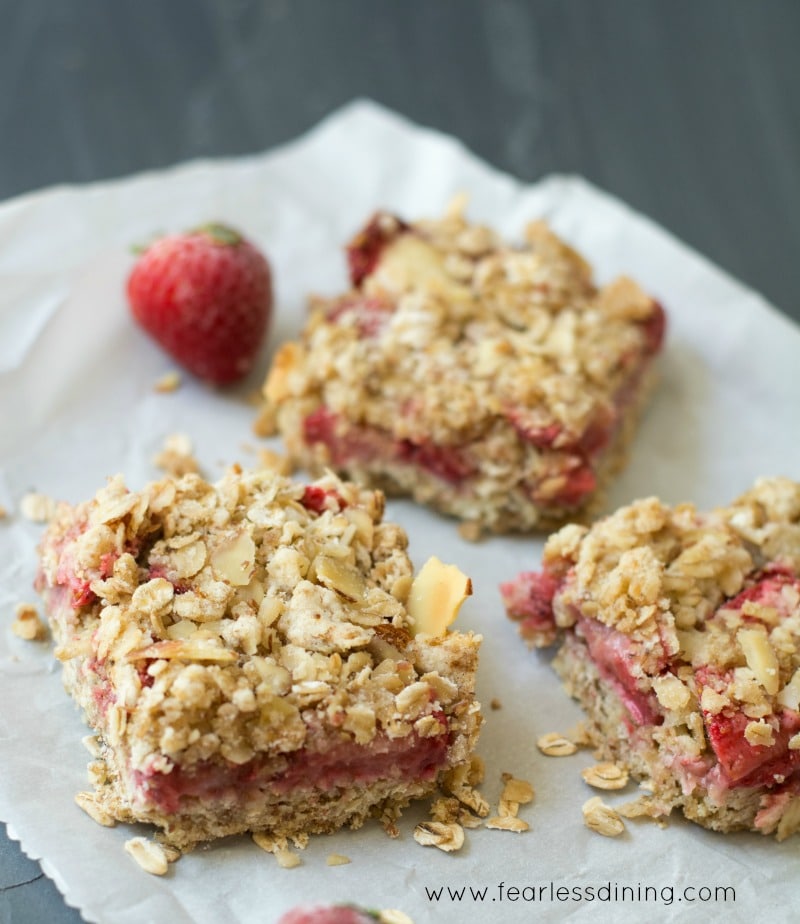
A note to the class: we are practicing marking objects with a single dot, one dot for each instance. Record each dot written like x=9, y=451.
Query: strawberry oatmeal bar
x=257, y=655
x=680, y=637
x=497, y=384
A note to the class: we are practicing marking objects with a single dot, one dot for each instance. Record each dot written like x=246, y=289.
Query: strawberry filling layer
x=614, y=656
x=364, y=251
x=342, y=765
x=348, y=443
x=739, y=764
x=572, y=457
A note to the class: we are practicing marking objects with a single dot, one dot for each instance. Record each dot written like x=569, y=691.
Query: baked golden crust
x=236, y=644
x=495, y=383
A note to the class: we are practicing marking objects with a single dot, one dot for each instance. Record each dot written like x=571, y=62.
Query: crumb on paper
x=554, y=744
x=495, y=704
x=169, y=382
x=28, y=625
x=447, y=836
x=337, y=859
x=176, y=457
x=287, y=859
x=3, y=512
x=150, y=856
x=601, y=818
x=38, y=508
x=605, y=775
x=92, y=745
x=516, y=790
x=508, y=823
x=87, y=801
x=279, y=847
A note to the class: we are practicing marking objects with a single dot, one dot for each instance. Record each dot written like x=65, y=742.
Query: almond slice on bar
x=436, y=595
x=188, y=650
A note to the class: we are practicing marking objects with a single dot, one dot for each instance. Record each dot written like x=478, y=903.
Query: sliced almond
x=234, y=560
x=408, y=263
x=436, y=596
x=339, y=576
x=760, y=657
x=187, y=650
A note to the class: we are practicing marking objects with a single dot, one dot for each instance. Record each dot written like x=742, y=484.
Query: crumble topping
x=468, y=358
x=256, y=599
x=689, y=622
x=27, y=625
x=716, y=593
x=256, y=629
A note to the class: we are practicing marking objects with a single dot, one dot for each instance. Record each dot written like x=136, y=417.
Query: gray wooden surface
x=689, y=110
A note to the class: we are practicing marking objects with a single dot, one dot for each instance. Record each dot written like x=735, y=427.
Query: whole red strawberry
x=327, y=914
x=206, y=297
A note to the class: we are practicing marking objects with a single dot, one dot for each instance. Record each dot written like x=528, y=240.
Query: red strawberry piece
x=327, y=914
x=529, y=597
x=744, y=763
x=206, y=297
x=364, y=251
x=316, y=499
x=654, y=329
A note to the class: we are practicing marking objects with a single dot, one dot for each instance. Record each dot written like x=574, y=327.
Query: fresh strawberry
x=206, y=297
x=327, y=914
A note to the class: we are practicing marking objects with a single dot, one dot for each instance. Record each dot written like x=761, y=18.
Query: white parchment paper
x=77, y=405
